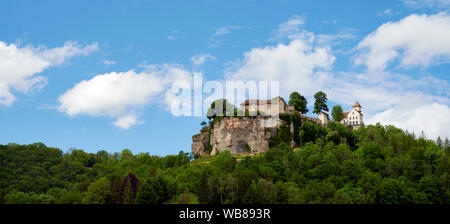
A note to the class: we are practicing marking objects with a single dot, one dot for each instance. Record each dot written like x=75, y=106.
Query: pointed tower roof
x=356, y=104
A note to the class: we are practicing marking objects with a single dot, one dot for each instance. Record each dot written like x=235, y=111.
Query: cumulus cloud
x=199, y=59
x=417, y=40
x=432, y=118
x=110, y=94
x=296, y=64
x=19, y=66
x=127, y=121
x=118, y=95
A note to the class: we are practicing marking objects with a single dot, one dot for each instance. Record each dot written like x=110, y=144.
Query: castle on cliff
x=252, y=134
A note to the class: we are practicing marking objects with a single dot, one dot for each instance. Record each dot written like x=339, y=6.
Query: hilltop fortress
x=253, y=134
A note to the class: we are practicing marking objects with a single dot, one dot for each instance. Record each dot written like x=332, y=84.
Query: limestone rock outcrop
x=200, y=142
x=237, y=135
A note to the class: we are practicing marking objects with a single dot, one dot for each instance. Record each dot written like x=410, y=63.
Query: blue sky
x=392, y=56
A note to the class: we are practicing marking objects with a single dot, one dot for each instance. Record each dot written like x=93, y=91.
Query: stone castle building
x=267, y=107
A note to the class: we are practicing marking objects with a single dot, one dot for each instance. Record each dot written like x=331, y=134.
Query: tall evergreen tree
x=321, y=102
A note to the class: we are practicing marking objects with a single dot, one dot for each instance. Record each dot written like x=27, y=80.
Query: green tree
x=430, y=188
x=147, y=194
x=129, y=189
x=392, y=192
x=287, y=193
x=298, y=102
x=70, y=197
x=98, y=192
x=346, y=195
x=224, y=162
x=337, y=113
x=262, y=192
x=203, y=195
x=310, y=132
x=320, y=103
x=219, y=108
x=17, y=197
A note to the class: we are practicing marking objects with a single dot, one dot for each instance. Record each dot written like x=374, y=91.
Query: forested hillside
x=375, y=164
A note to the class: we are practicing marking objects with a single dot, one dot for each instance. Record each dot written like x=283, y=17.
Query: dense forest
x=375, y=164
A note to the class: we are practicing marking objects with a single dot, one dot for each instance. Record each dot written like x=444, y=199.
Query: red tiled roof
x=345, y=114
x=356, y=104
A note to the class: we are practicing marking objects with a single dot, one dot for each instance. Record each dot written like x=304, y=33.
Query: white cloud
x=19, y=66
x=297, y=65
x=118, y=95
x=60, y=54
x=288, y=28
x=127, y=121
x=200, y=59
x=432, y=118
x=417, y=40
x=110, y=94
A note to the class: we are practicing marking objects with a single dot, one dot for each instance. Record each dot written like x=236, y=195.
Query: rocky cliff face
x=237, y=135
x=200, y=143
